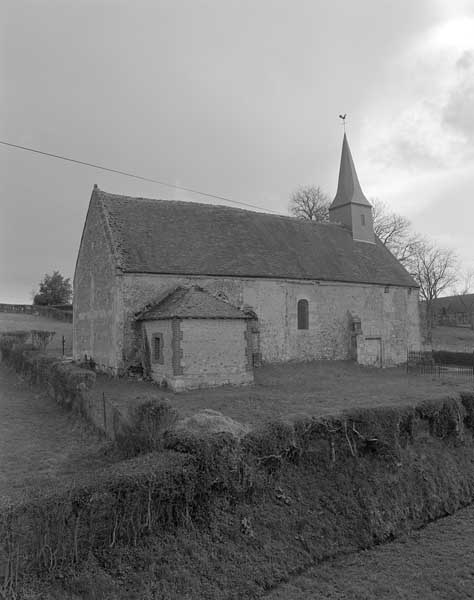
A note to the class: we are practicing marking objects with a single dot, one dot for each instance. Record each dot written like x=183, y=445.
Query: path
x=40, y=442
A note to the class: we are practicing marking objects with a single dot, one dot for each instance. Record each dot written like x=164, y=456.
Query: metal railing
x=430, y=363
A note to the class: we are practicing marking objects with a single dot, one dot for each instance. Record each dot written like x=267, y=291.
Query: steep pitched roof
x=348, y=186
x=187, y=238
x=191, y=303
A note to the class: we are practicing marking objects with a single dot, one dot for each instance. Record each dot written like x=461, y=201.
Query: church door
x=373, y=351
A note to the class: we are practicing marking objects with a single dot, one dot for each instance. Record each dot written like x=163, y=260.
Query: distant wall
x=61, y=314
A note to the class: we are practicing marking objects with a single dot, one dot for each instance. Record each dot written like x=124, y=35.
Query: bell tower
x=350, y=207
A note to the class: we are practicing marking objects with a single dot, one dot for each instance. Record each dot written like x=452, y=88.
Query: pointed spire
x=350, y=208
x=348, y=187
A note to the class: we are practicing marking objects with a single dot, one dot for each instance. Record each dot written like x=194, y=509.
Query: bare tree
x=394, y=231
x=435, y=270
x=465, y=284
x=464, y=291
x=310, y=203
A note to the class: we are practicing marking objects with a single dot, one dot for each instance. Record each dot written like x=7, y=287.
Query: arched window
x=303, y=314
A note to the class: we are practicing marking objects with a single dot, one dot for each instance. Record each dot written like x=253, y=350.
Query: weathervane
x=343, y=117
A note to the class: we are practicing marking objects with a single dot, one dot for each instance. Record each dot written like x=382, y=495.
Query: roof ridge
x=112, y=196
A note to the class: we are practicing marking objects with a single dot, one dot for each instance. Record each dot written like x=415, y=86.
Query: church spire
x=350, y=207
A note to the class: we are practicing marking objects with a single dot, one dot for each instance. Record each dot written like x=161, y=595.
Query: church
x=199, y=295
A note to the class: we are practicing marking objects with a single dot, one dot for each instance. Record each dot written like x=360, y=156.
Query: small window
x=362, y=220
x=157, y=347
x=387, y=289
x=303, y=314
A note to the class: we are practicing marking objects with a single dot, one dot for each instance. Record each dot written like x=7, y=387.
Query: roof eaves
x=280, y=278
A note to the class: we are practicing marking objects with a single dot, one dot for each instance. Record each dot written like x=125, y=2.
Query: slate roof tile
x=191, y=303
x=188, y=238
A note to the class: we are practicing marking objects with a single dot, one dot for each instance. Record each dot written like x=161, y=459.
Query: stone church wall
x=214, y=352
x=95, y=307
x=388, y=313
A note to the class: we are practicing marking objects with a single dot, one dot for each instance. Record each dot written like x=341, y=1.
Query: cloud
x=458, y=112
x=466, y=60
x=424, y=121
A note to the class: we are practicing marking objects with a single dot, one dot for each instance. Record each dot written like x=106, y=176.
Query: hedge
x=64, y=381
x=453, y=358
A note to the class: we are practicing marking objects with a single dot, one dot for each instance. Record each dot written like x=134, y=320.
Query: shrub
x=148, y=423
x=453, y=358
x=40, y=338
x=11, y=339
x=467, y=399
x=53, y=531
x=445, y=418
x=65, y=382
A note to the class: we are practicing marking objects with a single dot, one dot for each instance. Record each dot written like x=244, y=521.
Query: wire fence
x=441, y=363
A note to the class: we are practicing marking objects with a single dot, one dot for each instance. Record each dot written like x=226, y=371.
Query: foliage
x=445, y=357
x=149, y=422
x=235, y=516
x=53, y=289
x=41, y=338
x=310, y=203
x=65, y=381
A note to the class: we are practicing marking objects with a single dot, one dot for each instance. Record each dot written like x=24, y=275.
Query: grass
x=24, y=322
x=431, y=564
x=291, y=389
x=41, y=444
x=456, y=339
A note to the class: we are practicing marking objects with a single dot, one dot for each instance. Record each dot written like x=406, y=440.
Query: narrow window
x=362, y=220
x=303, y=314
x=157, y=345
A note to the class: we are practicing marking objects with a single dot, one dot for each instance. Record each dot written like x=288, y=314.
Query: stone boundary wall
x=43, y=311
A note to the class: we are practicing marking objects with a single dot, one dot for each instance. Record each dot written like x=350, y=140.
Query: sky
x=237, y=98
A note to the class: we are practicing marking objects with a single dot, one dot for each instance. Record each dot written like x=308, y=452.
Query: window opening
x=157, y=345
x=303, y=314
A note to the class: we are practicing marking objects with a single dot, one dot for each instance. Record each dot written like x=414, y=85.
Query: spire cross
x=343, y=117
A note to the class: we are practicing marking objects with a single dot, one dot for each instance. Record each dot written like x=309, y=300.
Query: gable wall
x=392, y=316
x=95, y=296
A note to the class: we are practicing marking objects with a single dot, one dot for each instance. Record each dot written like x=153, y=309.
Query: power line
x=127, y=174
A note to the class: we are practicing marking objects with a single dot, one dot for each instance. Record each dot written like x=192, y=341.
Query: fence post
x=105, y=412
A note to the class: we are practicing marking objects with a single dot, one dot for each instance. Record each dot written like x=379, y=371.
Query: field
x=40, y=443
x=435, y=563
x=456, y=339
x=292, y=389
x=24, y=322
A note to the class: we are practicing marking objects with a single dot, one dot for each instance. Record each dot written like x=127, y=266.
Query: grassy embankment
x=219, y=519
